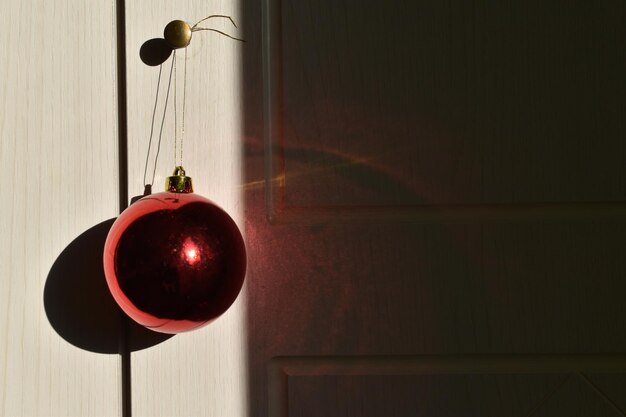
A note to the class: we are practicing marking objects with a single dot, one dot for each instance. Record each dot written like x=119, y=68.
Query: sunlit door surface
x=58, y=153
x=200, y=373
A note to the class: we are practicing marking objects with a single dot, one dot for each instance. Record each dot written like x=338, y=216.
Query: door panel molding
x=555, y=204
x=578, y=367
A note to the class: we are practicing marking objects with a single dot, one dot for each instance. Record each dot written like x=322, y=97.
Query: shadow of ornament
x=79, y=305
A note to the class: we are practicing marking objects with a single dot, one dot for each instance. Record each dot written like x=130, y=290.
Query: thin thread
x=156, y=101
x=167, y=95
x=211, y=17
x=182, y=136
x=218, y=31
x=195, y=27
x=175, y=113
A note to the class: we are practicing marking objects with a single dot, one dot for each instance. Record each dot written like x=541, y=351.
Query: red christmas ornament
x=174, y=261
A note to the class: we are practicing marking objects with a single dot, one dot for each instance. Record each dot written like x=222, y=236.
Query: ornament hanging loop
x=178, y=182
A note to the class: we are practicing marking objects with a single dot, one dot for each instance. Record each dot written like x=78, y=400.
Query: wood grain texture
x=447, y=385
x=477, y=395
x=201, y=373
x=449, y=108
x=59, y=167
x=520, y=105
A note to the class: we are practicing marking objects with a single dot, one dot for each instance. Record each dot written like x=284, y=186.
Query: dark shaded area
x=362, y=176
x=155, y=51
x=79, y=305
x=451, y=103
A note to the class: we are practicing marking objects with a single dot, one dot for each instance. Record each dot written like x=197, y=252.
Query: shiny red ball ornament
x=174, y=261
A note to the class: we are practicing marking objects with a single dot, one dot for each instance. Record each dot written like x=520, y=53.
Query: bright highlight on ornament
x=174, y=261
x=191, y=252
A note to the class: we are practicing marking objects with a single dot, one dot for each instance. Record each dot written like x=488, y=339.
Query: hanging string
x=218, y=31
x=178, y=143
x=175, y=110
x=167, y=95
x=214, y=16
x=156, y=101
x=178, y=140
x=195, y=27
x=182, y=136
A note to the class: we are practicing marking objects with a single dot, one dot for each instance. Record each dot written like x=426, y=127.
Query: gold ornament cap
x=179, y=182
x=177, y=33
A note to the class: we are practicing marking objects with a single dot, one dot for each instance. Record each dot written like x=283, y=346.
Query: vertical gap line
x=122, y=129
x=124, y=350
x=122, y=112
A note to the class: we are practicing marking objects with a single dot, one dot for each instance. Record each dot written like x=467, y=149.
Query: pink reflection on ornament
x=174, y=261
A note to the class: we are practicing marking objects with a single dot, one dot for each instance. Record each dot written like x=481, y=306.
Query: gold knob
x=177, y=34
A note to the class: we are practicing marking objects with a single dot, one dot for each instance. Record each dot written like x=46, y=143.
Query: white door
x=62, y=167
x=58, y=152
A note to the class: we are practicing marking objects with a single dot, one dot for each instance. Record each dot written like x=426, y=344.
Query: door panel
x=481, y=385
x=441, y=103
x=440, y=395
x=58, y=154
x=440, y=178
